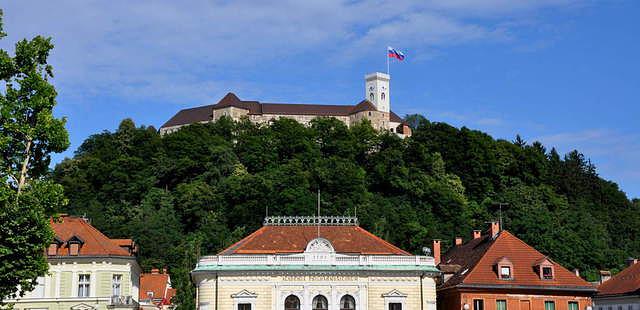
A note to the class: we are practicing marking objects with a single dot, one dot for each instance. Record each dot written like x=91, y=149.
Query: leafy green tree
x=28, y=134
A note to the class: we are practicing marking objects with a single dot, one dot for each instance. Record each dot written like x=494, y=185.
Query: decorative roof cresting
x=310, y=221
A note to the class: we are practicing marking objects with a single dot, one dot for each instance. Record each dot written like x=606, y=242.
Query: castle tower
x=377, y=90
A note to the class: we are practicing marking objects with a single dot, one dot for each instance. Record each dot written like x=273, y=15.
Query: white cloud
x=178, y=50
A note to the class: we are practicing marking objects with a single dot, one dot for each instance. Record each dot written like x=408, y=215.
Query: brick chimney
x=495, y=229
x=436, y=251
x=458, y=240
x=477, y=234
x=631, y=261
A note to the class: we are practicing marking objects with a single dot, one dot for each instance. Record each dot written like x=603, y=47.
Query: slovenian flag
x=393, y=53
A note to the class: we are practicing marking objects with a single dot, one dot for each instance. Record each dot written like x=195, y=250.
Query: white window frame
x=84, y=285
x=116, y=284
x=244, y=297
x=395, y=296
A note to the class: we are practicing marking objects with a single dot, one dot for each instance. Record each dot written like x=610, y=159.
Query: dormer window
x=545, y=270
x=504, y=268
x=505, y=272
x=52, y=250
x=74, y=244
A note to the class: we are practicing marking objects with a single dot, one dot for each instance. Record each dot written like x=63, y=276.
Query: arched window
x=292, y=302
x=320, y=303
x=382, y=95
x=347, y=302
x=371, y=96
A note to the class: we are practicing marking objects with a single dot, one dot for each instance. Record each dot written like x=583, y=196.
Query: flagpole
x=387, y=54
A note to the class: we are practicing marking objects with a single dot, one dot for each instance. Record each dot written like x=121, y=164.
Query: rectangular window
x=478, y=304
x=116, y=284
x=505, y=272
x=244, y=306
x=549, y=305
x=573, y=305
x=395, y=306
x=501, y=305
x=547, y=273
x=84, y=281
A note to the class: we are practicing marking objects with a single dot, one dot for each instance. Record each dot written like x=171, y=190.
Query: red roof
x=477, y=259
x=294, y=239
x=625, y=282
x=158, y=283
x=93, y=242
x=205, y=113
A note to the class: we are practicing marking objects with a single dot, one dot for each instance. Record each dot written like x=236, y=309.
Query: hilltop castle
x=375, y=107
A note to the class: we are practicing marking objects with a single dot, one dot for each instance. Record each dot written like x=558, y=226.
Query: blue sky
x=564, y=72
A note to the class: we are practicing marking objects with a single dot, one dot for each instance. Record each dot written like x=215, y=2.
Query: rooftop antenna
x=318, y=212
x=500, y=204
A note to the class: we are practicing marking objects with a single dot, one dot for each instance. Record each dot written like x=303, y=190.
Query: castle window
x=371, y=96
x=320, y=303
x=382, y=96
x=292, y=302
x=347, y=302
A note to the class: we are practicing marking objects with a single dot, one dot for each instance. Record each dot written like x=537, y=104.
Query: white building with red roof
x=87, y=271
x=314, y=263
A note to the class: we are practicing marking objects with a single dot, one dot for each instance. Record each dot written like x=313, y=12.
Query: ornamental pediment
x=394, y=293
x=82, y=306
x=244, y=294
x=319, y=245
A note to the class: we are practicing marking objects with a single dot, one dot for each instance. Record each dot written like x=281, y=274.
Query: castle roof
x=69, y=229
x=205, y=113
x=475, y=263
x=293, y=238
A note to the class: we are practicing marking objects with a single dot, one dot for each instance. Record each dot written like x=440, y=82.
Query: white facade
x=261, y=282
x=377, y=90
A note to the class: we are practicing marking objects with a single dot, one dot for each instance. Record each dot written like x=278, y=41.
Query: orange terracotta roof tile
x=158, y=283
x=94, y=242
x=478, y=257
x=626, y=281
x=294, y=239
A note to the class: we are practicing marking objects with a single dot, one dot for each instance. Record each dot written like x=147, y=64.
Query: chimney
x=155, y=271
x=436, y=251
x=604, y=276
x=495, y=229
x=458, y=240
x=477, y=234
x=631, y=261
x=576, y=271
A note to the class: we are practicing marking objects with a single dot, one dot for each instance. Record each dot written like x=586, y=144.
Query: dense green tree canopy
x=205, y=186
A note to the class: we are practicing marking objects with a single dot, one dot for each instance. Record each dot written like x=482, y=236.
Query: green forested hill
x=199, y=189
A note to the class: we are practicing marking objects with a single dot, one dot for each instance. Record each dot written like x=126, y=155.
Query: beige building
x=314, y=263
x=375, y=107
x=87, y=271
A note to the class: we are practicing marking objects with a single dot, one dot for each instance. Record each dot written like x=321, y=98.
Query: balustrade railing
x=303, y=259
